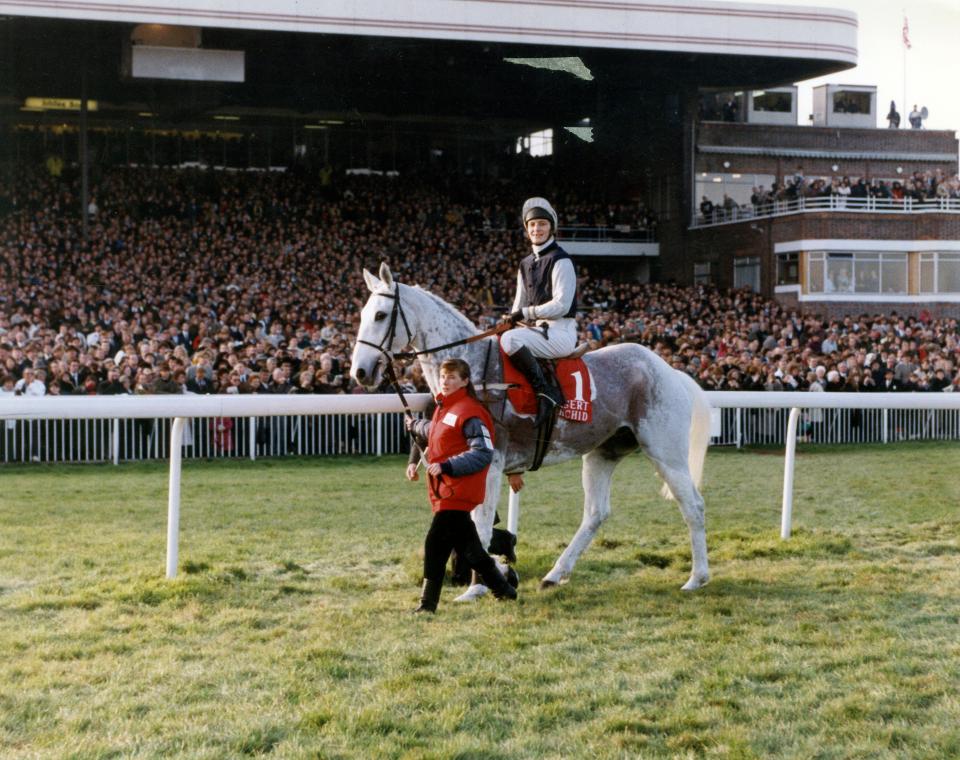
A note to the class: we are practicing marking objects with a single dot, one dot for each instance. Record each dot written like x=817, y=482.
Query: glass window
x=948, y=273
x=778, y=102
x=701, y=273
x=866, y=272
x=536, y=143
x=839, y=273
x=739, y=188
x=848, y=101
x=893, y=272
x=746, y=273
x=788, y=269
x=867, y=268
x=815, y=272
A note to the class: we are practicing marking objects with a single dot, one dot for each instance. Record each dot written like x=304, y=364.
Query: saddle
x=570, y=376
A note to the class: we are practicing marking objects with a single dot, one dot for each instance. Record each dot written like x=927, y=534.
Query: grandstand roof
x=463, y=60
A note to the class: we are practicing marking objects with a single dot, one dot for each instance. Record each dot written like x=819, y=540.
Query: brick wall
x=827, y=139
x=720, y=245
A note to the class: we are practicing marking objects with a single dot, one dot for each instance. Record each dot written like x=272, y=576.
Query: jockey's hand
x=513, y=317
x=435, y=469
x=408, y=422
x=413, y=471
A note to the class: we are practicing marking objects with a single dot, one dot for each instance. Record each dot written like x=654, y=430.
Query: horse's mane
x=459, y=315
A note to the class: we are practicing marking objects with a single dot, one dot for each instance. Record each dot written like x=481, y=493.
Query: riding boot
x=548, y=397
x=430, y=596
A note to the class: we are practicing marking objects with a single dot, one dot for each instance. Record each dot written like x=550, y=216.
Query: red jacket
x=447, y=439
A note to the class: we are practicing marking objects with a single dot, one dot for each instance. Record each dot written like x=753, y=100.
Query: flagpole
x=906, y=45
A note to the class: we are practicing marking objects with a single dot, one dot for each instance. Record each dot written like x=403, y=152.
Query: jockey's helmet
x=539, y=208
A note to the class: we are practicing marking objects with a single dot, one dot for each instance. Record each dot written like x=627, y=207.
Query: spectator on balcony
x=706, y=208
x=893, y=117
x=915, y=118
x=730, y=109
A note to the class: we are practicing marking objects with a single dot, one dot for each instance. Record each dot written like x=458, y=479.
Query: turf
x=288, y=634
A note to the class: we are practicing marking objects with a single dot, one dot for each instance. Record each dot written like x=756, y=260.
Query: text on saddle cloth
x=574, y=379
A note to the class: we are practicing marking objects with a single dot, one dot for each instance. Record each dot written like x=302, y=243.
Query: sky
x=931, y=79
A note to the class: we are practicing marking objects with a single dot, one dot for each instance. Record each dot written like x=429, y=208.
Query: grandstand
x=236, y=170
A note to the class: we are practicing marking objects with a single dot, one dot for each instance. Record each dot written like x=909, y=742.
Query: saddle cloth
x=574, y=379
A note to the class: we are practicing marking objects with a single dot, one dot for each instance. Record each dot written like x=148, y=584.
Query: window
x=788, y=269
x=940, y=272
x=701, y=273
x=739, y=188
x=746, y=273
x=777, y=102
x=861, y=273
x=839, y=273
x=850, y=101
x=536, y=143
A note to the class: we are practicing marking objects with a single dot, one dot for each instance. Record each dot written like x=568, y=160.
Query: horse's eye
x=379, y=316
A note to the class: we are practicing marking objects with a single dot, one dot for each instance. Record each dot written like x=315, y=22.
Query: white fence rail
x=181, y=408
x=60, y=439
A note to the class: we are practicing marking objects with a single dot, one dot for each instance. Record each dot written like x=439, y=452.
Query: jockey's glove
x=513, y=317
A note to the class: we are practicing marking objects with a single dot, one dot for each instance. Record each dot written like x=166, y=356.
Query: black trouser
x=453, y=529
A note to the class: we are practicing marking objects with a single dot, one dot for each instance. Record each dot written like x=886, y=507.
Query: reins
x=397, y=313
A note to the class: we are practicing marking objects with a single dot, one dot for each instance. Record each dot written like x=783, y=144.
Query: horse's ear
x=386, y=275
x=371, y=280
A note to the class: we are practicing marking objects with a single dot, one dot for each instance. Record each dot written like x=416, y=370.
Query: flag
x=906, y=34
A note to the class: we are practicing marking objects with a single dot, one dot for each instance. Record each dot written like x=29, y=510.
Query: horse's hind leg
x=597, y=472
x=684, y=490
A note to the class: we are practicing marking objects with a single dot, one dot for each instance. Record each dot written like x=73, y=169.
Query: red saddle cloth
x=574, y=379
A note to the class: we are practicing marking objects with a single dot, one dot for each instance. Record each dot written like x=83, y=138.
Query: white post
x=885, y=434
x=173, y=501
x=513, y=511
x=252, y=425
x=786, y=515
x=738, y=429
x=379, y=443
x=115, y=440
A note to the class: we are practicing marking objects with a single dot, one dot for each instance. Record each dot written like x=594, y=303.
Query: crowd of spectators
x=203, y=282
x=920, y=187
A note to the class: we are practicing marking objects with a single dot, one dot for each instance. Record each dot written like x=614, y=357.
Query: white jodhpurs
x=560, y=340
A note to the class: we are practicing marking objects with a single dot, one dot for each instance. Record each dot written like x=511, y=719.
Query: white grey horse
x=638, y=402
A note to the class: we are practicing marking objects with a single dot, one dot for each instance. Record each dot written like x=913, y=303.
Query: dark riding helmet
x=539, y=208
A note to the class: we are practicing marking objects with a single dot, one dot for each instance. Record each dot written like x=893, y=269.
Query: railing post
x=884, y=422
x=738, y=428
x=173, y=498
x=513, y=511
x=115, y=441
x=252, y=436
x=379, y=435
x=786, y=512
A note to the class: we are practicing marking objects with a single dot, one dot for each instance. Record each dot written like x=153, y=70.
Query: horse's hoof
x=694, y=583
x=545, y=584
x=473, y=593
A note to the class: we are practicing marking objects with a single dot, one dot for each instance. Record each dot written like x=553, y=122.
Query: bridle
x=397, y=315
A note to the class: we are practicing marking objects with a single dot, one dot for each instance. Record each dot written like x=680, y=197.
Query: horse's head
x=383, y=329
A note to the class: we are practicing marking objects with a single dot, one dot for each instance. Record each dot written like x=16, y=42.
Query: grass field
x=288, y=631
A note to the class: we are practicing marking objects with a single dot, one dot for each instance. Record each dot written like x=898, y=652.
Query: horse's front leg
x=483, y=516
x=597, y=474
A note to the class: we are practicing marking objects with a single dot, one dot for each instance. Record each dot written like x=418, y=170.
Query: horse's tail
x=699, y=431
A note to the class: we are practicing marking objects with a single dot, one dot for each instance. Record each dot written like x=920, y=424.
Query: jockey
x=547, y=299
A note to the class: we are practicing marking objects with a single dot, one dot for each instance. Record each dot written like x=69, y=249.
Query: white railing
x=812, y=402
x=803, y=204
x=182, y=408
